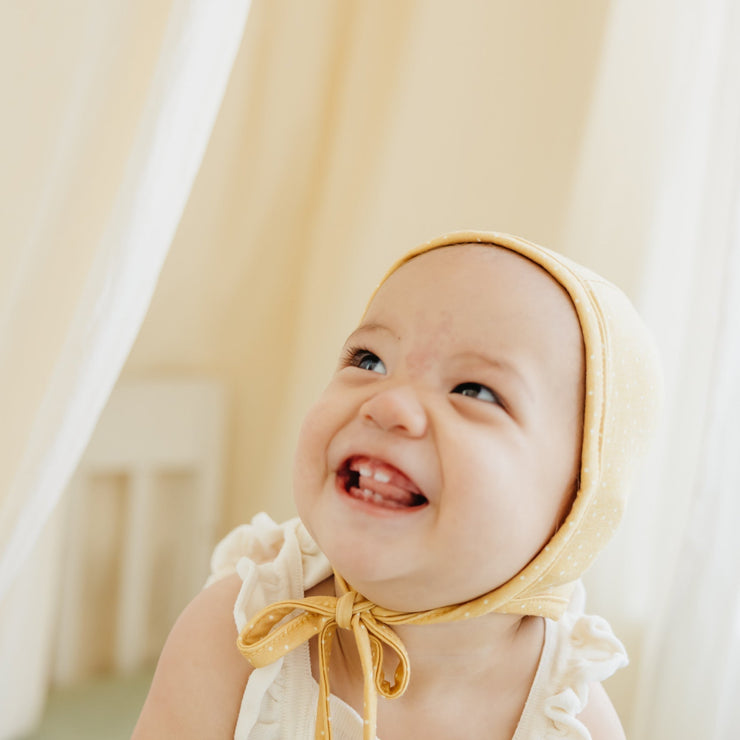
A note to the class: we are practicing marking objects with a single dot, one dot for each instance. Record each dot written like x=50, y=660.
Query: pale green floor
x=105, y=709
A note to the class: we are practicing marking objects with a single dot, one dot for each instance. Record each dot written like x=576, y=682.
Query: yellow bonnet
x=623, y=384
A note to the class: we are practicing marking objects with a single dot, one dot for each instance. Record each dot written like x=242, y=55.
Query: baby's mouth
x=372, y=480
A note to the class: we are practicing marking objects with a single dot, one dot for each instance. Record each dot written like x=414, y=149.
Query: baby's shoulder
x=568, y=699
x=599, y=716
x=200, y=678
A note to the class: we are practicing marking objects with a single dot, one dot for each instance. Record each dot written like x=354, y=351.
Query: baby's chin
x=385, y=578
x=397, y=598
x=385, y=586
x=408, y=593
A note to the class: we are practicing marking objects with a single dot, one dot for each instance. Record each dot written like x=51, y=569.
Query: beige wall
x=350, y=132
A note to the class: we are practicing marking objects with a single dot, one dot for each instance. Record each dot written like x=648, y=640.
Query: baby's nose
x=396, y=409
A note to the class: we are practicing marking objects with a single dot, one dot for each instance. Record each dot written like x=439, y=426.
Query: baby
x=464, y=465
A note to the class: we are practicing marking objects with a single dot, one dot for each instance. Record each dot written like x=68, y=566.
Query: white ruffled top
x=281, y=561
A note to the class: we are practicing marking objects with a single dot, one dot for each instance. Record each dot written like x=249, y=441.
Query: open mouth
x=374, y=481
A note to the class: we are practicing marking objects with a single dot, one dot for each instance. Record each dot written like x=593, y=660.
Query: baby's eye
x=365, y=360
x=476, y=390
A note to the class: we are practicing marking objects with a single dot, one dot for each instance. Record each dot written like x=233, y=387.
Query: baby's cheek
x=314, y=437
x=314, y=431
x=306, y=458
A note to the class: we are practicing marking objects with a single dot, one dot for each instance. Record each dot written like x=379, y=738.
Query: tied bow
x=266, y=638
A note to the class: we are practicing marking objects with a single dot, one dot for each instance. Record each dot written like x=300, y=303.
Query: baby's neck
x=468, y=679
x=496, y=649
x=499, y=650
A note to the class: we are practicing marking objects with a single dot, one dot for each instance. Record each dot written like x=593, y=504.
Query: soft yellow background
x=350, y=132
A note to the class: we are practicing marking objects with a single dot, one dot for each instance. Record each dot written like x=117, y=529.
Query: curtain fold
x=693, y=649
x=659, y=178
x=103, y=152
x=116, y=276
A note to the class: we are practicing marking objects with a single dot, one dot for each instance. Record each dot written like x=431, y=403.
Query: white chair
x=149, y=430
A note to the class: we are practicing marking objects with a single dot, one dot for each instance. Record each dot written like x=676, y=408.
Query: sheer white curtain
x=107, y=110
x=116, y=272
x=660, y=176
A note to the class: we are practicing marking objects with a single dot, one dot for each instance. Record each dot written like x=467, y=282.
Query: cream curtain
x=107, y=109
x=660, y=178
x=81, y=263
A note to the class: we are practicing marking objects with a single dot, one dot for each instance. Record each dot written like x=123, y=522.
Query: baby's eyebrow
x=500, y=364
x=370, y=327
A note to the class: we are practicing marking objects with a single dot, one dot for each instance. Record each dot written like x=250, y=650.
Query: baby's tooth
x=367, y=494
x=381, y=477
x=365, y=472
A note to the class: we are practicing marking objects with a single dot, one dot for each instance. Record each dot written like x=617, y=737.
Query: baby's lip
x=379, y=482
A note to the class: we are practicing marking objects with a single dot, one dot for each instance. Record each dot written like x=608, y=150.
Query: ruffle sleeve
x=586, y=651
x=275, y=562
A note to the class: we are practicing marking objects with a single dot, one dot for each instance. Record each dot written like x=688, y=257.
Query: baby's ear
x=568, y=500
x=198, y=685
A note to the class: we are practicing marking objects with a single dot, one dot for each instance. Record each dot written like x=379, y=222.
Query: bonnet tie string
x=269, y=635
x=265, y=638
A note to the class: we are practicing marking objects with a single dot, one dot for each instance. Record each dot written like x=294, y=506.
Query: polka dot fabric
x=623, y=389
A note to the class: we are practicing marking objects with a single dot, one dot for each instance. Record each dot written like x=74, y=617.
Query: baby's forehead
x=456, y=262
x=469, y=276
x=485, y=302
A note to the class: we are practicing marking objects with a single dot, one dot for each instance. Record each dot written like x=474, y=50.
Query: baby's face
x=444, y=452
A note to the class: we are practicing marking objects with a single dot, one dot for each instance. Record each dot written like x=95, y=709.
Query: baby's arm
x=200, y=678
x=600, y=717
